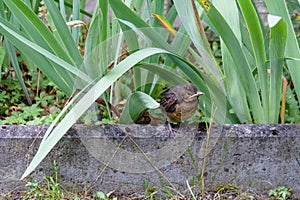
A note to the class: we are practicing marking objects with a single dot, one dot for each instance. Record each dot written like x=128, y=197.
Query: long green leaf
x=66, y=3
x=195, y=31
x=62, y=9
x=85, y=102
x=257, y=40
x=137, y=103
x=92, y=48
x=124, y=13
x=239, y=59
x=131, y=20
x=14, y=60
x=279, y=8
x=164, y=74
x=278, y=37
x=89, y=98
x=36, y=29
x=19, y=41
x=45, y=65
x=64, y=33
x=236, y=94
x=104, y=35
x=75, y=16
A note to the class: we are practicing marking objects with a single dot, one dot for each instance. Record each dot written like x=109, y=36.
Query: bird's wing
x=169, y=101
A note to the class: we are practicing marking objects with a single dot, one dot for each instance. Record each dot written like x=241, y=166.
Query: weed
x=52, y=189
x=292, y=107
x=16, y=96
x=30, y=112
x=223, y=156
x=281, y=193
x=15, y=118
x=4, y=96
x=43, y=99
x=43, y=111
x=23, y=114
x=53, y=186
x=102, y=196
x=225, y=188
x=34, y=190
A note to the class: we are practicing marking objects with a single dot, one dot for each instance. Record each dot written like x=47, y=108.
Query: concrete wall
x=258, y=157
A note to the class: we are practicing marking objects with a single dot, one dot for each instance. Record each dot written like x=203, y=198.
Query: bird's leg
x=171, y=131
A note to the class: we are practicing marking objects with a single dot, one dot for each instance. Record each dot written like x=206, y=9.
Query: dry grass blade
x=107, y=164
x=152, y=164
x=206, y=150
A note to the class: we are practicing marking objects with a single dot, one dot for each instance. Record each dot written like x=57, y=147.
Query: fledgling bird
x=180, y=103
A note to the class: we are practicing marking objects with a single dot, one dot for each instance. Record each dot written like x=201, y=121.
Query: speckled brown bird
x=180, y=102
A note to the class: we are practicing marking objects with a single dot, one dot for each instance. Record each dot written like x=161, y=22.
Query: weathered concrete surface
x=258, y=157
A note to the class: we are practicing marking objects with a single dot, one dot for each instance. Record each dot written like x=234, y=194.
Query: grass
x=47, y=190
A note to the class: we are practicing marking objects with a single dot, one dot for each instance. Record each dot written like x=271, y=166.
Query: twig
x=283, y=101
x=38, y=82
x=148, y=159
x=30, y=146
x=206, y=152
x=107, y=164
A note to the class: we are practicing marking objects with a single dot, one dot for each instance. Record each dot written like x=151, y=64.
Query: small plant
x=226, y=188
x=53, y=186
x=102, y=196
x=280, y=193
x=23, y=114
x=45, y=108
x=51, y=190
x=43, y=99
x=150, y=191
x=34, y=190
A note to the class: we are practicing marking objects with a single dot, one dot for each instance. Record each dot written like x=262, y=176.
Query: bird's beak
x=196, y=95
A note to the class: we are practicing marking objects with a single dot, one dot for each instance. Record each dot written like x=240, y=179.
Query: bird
x=180, y=103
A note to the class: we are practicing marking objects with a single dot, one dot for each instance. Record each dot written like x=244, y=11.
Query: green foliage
x=43, y=99
x=30, y=115
x=15, y=118
x=102, y=196
x=13, y=111
x=128, y=52
x=34, y=189
x=59, y=48
x=51, y=190
x=30, y=112
x=4, y=97
x=281, y=193
x=137, y=104
x=294, y=10
x=90, y=117
x=2, y=56
x=292, y=113
x=150, y=191
x=15, y=97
